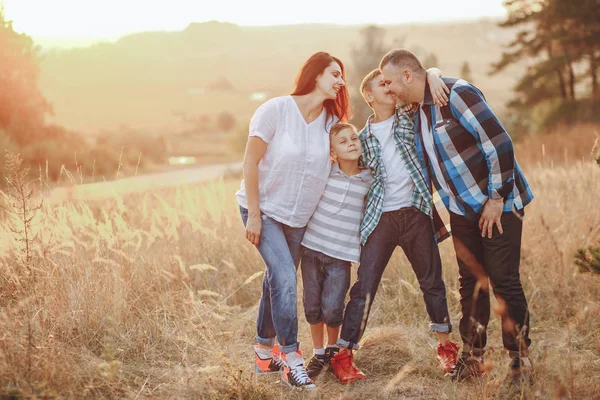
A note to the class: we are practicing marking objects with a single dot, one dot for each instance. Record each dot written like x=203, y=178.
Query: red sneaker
x=268, y=364
x=345, y=369
x=447, y=354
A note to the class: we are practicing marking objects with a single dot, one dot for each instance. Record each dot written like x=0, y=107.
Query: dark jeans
x=497, y=259
x=412, y=230
x=279, y=247
x=325, y=281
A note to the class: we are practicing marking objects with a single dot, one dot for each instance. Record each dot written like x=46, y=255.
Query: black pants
x=412, y=230
x=495, y=260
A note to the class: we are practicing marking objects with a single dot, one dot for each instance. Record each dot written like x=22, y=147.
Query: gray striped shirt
x=334, y=228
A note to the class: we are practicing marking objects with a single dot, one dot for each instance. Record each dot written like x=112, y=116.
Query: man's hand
x=491, y=214
x=253, y=228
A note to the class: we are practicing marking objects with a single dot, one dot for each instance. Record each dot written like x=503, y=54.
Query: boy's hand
x=253, y=229
x=438, y=89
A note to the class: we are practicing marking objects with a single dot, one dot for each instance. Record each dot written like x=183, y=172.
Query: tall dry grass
x=154, y=295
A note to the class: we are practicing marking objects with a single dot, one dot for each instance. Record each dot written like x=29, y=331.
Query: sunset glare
x=111, y=18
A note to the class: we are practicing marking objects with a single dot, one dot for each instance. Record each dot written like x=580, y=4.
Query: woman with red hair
x=286, y=167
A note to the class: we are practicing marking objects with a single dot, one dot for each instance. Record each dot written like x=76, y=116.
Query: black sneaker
x=330, y=352
x=316, y=365
x=467, y=366
x=519, y=374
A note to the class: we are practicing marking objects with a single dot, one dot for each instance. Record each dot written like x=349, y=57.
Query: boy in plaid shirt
x=398, y=212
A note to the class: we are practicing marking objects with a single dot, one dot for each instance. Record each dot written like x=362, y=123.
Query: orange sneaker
x=447, y=354
x=345, y=369
x=268, y=362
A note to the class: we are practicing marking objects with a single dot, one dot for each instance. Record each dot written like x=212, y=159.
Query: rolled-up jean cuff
x=347, y=345
x=442, y=328
x=290, y=348
x=265, y=341
x=475, y=351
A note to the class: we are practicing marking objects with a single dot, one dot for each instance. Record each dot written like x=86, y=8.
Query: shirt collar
x=363, y=174
x=366, y=131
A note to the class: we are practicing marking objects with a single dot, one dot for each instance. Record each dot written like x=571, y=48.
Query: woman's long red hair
x=306, y=81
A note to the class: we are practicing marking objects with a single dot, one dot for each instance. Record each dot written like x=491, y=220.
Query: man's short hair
x=366, y=82
x=403, y=59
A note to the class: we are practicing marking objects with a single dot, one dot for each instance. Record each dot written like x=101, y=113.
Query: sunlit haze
x=112, y=18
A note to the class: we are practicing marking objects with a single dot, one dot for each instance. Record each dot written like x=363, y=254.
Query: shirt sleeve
x=264, y=121
x=469, y=107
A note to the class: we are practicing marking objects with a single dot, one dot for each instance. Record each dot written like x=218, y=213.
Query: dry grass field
x=154, y=295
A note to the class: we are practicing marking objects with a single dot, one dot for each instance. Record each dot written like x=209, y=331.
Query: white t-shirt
x=398, y=184
x=433, y=161
x=294, y=169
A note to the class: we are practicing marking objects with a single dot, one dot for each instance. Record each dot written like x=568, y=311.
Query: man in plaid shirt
x=470, y=158
x=399, y=212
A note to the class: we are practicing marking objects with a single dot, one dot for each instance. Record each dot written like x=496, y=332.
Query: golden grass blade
x=252, y=277
x=203, y=267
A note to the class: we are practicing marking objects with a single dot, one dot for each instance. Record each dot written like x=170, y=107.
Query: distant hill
x=155, y=80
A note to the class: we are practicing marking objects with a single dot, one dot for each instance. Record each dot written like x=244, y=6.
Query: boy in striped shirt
x=332, y=243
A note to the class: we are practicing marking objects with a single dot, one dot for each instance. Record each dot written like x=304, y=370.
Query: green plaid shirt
x=404, y=136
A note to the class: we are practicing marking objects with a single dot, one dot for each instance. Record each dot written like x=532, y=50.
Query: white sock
x=333, y=346
x=263, y=354
x=319, y=352
x=294, y=359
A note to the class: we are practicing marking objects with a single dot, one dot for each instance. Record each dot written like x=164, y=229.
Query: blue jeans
x=326, y=281
x=279, y=248
x=412, y=230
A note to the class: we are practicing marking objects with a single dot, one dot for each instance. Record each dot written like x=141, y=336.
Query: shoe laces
x=300, y=375
x=316, y=362
x=278, y=361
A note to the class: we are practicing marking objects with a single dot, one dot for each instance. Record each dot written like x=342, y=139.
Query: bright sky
x=112, y=18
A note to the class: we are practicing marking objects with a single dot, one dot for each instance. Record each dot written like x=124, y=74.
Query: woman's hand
x=439, y=90
x=253, y=228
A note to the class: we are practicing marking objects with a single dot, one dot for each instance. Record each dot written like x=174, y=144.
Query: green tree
x=557, y=37
x=465, y=72
x=226, y=122
x=430, y=61
x=365, y=58
x=588, y=259
x=22, y=104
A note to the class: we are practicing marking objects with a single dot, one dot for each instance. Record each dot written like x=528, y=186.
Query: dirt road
x=98, y=190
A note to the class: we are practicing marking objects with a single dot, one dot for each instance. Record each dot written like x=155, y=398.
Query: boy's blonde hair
x=337, y=128
x=366, y=82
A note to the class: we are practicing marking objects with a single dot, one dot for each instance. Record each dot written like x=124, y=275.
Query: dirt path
x=141, y=182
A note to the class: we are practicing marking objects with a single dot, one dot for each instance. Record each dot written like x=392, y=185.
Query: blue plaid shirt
x=475, y=152
x=421, y=198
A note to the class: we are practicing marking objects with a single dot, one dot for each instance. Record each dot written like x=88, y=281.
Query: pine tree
x=431, y=61
x=365, y=58
x=560, y=33
x=588, y=259
x=465, y=72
